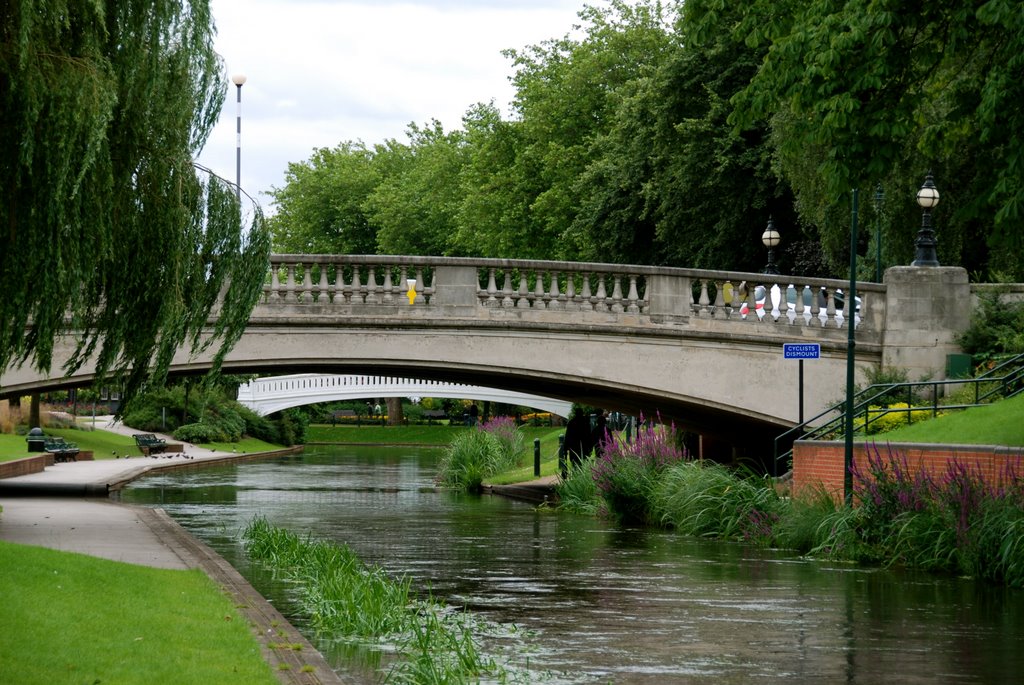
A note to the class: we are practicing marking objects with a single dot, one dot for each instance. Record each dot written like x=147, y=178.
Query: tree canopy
x=670, y=132
x=108, y=229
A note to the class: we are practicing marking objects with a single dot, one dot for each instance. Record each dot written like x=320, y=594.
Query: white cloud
x=323, y=72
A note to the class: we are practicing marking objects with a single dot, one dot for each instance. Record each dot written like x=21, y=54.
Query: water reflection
x=602, y=603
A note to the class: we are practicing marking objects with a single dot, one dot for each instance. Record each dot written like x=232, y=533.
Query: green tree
x=108, y=230
x=320, y=208
x=416, y=203
x=881, y=91
x=567, y=93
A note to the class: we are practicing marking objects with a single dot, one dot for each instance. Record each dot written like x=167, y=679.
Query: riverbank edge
x=292, y=657
x=274, y=633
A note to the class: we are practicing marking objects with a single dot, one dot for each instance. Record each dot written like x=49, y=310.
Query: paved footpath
x=87, y=524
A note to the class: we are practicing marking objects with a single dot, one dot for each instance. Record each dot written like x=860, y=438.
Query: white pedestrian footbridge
x=272, y=394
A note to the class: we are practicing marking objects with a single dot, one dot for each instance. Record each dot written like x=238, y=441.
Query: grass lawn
x=71, y=618
x=107, y=445
x=999, y=423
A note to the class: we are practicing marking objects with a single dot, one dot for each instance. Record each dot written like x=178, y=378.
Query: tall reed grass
x=346, y=598
x=472, y=456
x=956, y=523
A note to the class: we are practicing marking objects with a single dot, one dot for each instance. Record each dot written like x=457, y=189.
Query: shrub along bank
x=956, y=523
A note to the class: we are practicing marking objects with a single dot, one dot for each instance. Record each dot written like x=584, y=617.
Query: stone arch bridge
x=702, y=348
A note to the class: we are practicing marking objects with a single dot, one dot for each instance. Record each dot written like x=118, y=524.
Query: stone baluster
x=586, y=297
x=323, y=289
x=556, y=300
x=799, y=307
x=372, y=291
x=617, y=294
x=719, y=310
x=633, y=297
x=338, y=289
x=306, y=296
x=522, y=302
x=289, y=288
x=601, y=301
x=506, y=290
x=705, y=299
x=538, y=290
x=388, y=296
x=424, y=292
x=571, y=301
x=356, y=288
x=830, y=308
x=492, y=289
x=783, y=303
x=275, y=282
x=752, y=301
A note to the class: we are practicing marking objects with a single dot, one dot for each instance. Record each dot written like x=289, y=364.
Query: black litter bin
x=36, y=440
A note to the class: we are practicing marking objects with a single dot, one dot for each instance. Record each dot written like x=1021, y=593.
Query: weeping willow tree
x=109, y=232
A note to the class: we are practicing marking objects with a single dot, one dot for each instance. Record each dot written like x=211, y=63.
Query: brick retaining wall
x=25, y=465
x=821, y=463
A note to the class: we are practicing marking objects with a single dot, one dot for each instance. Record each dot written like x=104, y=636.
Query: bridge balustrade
x=628, y=293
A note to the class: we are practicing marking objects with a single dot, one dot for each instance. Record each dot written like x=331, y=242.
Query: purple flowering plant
x=625, y=472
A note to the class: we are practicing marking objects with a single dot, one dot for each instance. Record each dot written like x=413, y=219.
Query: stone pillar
x=926, y=308
x=669, y=298
x=456, y=287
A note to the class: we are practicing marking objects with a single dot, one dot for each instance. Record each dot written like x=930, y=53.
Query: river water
x=592, y=602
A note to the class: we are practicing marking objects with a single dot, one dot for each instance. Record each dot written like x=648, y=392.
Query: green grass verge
x=999, y=423
x=71, y=618
x=548, y=457
x=107, y=445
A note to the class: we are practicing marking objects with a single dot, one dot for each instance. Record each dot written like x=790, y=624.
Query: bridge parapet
x=569, y=292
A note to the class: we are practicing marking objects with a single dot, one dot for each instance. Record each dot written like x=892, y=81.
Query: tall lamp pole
x=879, y=196
x=771, y=238
x=850, y=316
x=927, y=197
x=239, y=81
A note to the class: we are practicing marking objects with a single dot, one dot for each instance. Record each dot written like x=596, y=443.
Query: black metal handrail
x=1007, y=377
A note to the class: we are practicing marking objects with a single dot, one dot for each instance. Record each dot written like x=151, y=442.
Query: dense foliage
x=108, y=228
x=957, y=523
x=669, y=133
x=210, y=414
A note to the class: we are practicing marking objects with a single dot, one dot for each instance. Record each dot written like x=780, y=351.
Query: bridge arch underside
x=736, y=391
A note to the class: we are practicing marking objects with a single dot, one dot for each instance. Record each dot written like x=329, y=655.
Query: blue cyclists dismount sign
x=801, y=350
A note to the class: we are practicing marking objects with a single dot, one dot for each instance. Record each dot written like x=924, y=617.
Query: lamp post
x=927, y=197
x=771, y=238
x=850, y=317
x=239, y=81
x=879, y=196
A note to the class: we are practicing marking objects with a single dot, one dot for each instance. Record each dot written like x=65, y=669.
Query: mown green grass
x=107, y=445
x=548, y=457
x=71, y=618
x=1000, y=423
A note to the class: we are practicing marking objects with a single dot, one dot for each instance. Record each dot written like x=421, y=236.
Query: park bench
x=61, y=450
x=150, y=444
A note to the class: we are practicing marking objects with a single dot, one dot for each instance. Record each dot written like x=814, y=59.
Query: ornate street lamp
x=239, y=81
x=771, y=238
x=927, y=197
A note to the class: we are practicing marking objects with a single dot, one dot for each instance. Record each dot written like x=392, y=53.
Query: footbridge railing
x=629, y=293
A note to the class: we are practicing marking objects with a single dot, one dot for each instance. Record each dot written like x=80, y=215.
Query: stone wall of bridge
x=702, y=347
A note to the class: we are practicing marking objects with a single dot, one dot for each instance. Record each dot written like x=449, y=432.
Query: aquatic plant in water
x=346, y=598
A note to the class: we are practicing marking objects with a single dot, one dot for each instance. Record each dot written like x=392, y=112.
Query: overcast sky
x=321, y=72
